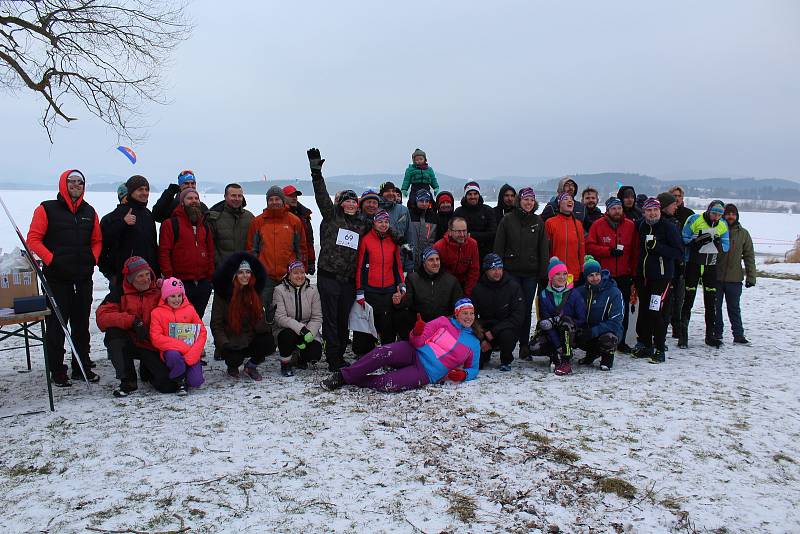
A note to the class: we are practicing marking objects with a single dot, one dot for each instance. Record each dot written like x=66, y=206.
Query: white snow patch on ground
x=710, y=440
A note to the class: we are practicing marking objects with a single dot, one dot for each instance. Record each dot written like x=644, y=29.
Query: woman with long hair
x=445, y=348
x=238, y=320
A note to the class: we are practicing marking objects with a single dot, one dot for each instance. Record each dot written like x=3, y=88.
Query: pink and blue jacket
x=445, y=345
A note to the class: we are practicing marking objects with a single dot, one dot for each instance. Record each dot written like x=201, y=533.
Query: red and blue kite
x=128, y=152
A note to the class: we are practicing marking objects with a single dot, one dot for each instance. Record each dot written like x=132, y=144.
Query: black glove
x=615, y=252
x=315, y=160
x=717, y=240
x=304, y=331
x=312, y=267
x=701, y=240
x=269, y=317
x=173, y=188
x=142, y=333
x=650, y=245
x=749, y=284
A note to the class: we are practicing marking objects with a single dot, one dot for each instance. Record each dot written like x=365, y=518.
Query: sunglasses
x=75, y=181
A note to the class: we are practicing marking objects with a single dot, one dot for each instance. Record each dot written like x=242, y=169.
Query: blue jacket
x=574, y=308
x=658, y=262
x=604, y=306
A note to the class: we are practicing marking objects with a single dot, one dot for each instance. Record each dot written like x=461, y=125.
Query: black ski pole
x=48, y=292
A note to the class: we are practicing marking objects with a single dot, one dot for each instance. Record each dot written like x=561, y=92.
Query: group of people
x=429, y=290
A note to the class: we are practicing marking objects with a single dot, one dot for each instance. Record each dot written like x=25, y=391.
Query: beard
x=193, y=212
x=616, y=218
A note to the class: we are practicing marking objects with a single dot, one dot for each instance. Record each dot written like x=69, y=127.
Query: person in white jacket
x=298, y=319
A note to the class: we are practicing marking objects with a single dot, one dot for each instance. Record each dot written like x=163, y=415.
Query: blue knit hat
x=716, y=206
x=423, y=194
x=613, y=201
x=492, y=261
x=590, y=265
x=428, y=252
x=121, y=192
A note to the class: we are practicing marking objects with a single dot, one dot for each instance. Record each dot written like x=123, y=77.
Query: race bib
x=347, y=238
x=655, y=302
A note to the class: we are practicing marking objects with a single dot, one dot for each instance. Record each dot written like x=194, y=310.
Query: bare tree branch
x=106, y=56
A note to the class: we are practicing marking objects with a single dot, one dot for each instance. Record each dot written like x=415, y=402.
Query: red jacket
x=122, y=306
x=39, y=223
x=461, y=261
x=602, y=238
x=191, y=257
x=379, y=269
x=160, y=319
x=277, y=237
x=566, y=242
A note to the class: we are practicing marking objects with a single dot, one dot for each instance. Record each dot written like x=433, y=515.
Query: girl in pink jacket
x=179, y=335
x=447, y=347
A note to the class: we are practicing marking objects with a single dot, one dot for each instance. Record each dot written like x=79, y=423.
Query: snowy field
x=708, y=442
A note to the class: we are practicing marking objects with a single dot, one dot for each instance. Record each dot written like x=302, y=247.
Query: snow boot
x=60, y=379
x=713, y=342
x=740, y=340
x=524, y=353
x=624, y=348
x=334, y=381
x=641, y=351
x=286, y=369
x=233, y=372
x=251, y=370
x=505, y=367
x=587, y=360
x=91, y=376
x=564, y=369
x=607, y=362
x=183, y=389
x=658, y=356
x=126, y=387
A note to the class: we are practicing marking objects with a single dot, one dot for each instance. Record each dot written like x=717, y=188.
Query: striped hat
x=472, y=186
x=651, y=203
x=613, y=201
x=381, y=215
x=132, y=266
x=423, y=195
x=245, y=266
x=527, y=192
x=428, y=252
x=492, y=261
x=563, y=196
x=296, y=264
x=463, y=304
x=369, y=194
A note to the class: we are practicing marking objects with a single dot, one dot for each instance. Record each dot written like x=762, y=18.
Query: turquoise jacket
x=419, y=176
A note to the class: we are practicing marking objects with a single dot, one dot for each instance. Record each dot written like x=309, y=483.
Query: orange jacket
x=38, y=227
x=160, y=319
x=277, y=238
x=566, y=242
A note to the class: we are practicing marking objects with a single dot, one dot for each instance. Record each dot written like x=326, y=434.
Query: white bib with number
x=347, y=238
x=655, y=302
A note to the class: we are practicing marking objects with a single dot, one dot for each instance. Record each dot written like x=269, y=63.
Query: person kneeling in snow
x=603, y=300
x=447, y=347
x=178, y=332
x=561, y=312
x=237, y=316
x=124, y=316
x=298, y=319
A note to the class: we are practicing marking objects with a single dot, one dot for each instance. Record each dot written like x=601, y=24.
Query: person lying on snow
x=561, y=312
x=445, y=348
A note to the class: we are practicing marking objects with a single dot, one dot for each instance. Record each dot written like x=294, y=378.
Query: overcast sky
x=487, y=88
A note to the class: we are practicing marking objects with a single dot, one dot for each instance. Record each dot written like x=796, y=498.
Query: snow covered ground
x=709, y=442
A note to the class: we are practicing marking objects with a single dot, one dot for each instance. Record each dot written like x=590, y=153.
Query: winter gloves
x=312, y=267
x=141, y=330
x=419, y=326
x=305, y=337
x=457, y=375
x=615, y=252
x=650, y=244
x=546, y=324
x=749, y=284
x=315, y=160
x=701, y=240
x=360, y=298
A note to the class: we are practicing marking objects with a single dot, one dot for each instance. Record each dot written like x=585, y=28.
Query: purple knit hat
x=651, y=203
x=527, y=192
x=381, y=215
x=563, y=196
